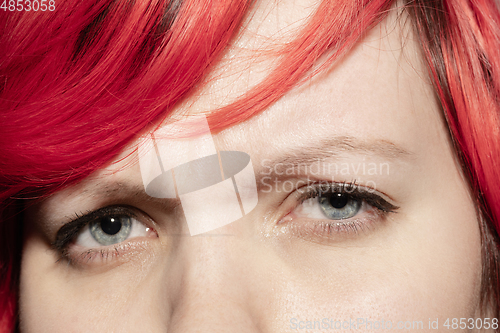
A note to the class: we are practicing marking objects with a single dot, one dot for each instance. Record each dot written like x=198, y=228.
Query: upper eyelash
x=314, y=190
x=353, y=189
x=70, y=230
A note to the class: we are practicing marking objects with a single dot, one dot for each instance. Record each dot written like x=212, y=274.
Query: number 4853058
x=471, y=323
x=28, y=5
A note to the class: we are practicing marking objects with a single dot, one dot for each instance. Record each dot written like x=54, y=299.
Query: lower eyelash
x=117, y=253
x=342, y=227
x=326, y=232
x=374, y=210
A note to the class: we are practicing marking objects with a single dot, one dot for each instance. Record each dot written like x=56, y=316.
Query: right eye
x=106, y=232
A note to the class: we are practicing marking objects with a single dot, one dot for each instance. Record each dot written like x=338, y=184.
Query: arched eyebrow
x=336, y=146
x=307, y=154
x=125, y=190
x=331, y=149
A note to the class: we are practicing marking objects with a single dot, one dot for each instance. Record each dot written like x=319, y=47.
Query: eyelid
x=325, y=230
x=363, y=193
x=68, y=232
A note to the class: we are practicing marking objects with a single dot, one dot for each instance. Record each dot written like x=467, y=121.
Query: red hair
x=461, y=43
x=80, y=83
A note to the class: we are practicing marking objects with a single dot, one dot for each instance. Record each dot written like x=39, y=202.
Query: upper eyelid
x=71, y=229
x=366, y=194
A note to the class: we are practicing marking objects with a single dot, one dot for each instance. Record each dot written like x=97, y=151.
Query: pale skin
x=270, y=271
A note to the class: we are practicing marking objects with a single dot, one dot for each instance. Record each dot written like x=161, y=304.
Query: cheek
x=55, y=297
x=394, y=288
x=443, y=249
x=425, y=263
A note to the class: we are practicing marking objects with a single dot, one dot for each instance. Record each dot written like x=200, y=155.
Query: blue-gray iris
x=339, y=206
x=110, y=230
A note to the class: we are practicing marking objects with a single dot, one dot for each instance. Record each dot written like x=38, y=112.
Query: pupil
x=339, y=200
x=111, y=225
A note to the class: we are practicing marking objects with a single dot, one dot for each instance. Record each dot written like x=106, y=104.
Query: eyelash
x=70, y=231
x=326, y=227
x=320, y=229
x=351, y=189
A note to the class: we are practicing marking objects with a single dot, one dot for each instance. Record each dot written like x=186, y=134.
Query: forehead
x=379, y=90
x=378, y=93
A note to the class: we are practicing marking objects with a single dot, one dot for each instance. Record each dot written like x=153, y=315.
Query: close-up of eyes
x=348, y=205
x=270, y=166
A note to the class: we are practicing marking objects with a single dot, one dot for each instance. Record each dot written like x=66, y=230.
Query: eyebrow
x=335, y=147
x=302, y=155
x=137, y=192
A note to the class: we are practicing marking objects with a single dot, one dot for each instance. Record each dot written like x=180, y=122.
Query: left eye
x=339, y=206
x=109, y=230
x=335, y=211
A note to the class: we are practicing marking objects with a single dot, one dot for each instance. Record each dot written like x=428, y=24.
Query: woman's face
x=393, y=241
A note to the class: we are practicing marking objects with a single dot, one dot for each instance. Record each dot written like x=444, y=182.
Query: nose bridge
x=214, y=293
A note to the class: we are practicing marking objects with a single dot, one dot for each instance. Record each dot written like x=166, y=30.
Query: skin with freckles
x=371, y=125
